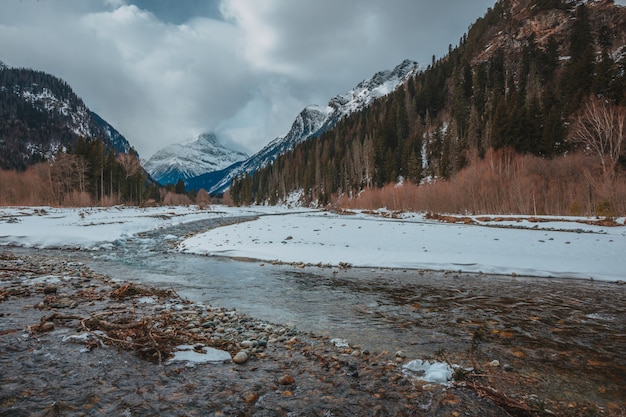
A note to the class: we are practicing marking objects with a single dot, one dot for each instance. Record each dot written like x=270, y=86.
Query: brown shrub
x=504, y=182
x=173, y=199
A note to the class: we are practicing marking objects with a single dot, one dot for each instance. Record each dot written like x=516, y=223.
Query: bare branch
x=600, y=129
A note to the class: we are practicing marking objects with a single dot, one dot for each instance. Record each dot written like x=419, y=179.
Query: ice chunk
x=435, y=372
x=340, y=343
x=199, y=354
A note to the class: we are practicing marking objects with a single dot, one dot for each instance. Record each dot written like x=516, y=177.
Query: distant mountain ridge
x=187, y=160
x=40, y=115
x=311, y=122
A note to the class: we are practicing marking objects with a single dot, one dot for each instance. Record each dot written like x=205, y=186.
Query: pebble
x=241, y=332
x=47, y=327
x=247, y=344
x=240, y=358
x=50, y=289
x=494, y=363
x=286, y=380
x=64, y=302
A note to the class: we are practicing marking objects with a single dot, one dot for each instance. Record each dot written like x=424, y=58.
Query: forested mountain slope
x=311, y=122
x=517, y=81
x=55, y=151
x=40, y=114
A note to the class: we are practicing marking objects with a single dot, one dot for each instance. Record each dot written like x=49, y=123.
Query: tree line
x=87, y=175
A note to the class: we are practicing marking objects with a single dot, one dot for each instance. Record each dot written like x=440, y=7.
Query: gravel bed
x=77, y=343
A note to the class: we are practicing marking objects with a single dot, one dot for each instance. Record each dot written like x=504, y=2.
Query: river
x=562, y=337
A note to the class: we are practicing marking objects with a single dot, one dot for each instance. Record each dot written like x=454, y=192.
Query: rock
x=63, y=302
x=241, y=358
x=353, y=371
x=251, y=398
x=356, y=353
x=50, y=289
x=286, y=380
x=508, y=368
x=494, y=363
x=47, y=327
x=400, y=354
x=247, y=344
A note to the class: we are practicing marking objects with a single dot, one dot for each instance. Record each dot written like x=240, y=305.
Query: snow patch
x=433, y=372
x=199, y=354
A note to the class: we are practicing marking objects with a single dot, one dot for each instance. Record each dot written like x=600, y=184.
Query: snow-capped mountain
x=186, y=160
x=312, y=122
x=42, y=115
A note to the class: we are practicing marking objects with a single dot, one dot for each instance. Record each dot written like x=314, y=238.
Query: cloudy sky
x=163, y=71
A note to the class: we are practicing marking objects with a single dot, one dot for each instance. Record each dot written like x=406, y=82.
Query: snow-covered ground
x=553, y=248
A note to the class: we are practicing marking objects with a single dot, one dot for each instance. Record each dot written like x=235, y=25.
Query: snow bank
x=551, y=249
x=96, y=228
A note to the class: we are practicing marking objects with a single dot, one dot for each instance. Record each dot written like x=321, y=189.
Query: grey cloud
x=244, y=69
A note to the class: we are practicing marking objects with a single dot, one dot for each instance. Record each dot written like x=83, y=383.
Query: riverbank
x=541, y=246
x=78, y=343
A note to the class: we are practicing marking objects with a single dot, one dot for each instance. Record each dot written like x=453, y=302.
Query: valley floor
x=78, y=343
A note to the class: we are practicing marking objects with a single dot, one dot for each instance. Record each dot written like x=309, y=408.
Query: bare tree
x=130, y=163
x=131, y=166
x=600, y=128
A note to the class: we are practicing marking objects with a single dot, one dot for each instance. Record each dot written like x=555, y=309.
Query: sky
x=165, y=71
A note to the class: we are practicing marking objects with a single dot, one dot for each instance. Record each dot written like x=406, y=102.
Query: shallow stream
x=547, y=337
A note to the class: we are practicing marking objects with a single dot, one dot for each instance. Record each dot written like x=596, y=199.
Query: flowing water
x=564, y=338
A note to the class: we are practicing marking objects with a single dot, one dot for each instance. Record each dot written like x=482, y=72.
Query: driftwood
x=512, y=407
x=151, y=338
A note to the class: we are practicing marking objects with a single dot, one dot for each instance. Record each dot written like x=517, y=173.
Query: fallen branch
x=513, y=407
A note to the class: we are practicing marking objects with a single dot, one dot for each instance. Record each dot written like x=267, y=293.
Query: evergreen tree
x=577, y=81
x=180, y=187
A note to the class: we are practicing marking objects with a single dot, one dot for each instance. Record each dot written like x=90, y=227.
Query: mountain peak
x=381, y=84
x=389, y=76
x=209, y=139
x=190, y=159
